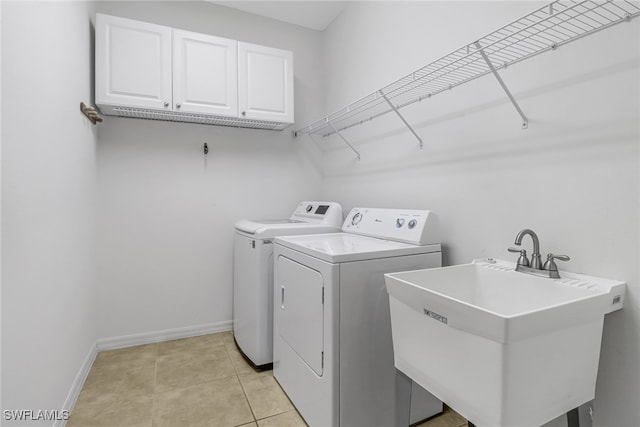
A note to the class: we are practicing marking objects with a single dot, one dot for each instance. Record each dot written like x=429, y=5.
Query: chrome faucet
x=549, y=269
x=536, y=261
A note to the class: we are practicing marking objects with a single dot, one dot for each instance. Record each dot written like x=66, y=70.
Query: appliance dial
x=356, y=218
x=309, y=207
x=399, y=222
x=412, y=223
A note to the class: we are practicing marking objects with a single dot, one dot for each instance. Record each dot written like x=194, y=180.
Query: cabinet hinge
x=323, y=295
x=322, y=360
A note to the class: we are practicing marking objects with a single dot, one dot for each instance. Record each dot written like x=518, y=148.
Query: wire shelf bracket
x=545, y=29
x=344, y=139
x=525, y=120
x=402, y=118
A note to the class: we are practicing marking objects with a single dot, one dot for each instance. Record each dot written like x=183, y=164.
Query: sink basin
x=501, y=347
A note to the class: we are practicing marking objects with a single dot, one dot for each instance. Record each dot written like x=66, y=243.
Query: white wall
x=166, y=212
x=572, y=176
x=48, y=188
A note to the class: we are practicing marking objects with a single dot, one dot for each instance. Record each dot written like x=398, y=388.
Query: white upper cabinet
x=205, y=74
x=133, y=63
x=155, y=72
x=265, y=83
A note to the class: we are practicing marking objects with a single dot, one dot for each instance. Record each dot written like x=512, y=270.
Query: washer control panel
x=324, y=212
x=419, y=227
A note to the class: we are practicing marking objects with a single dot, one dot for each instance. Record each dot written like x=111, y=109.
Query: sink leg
x=403, y=399
x=573, y=418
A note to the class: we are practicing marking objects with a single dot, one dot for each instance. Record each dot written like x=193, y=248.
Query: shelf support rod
x=525, y=120
x=91, y=113
x=402, y=118
x=343, y=139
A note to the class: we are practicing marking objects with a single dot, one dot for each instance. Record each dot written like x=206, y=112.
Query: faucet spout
x=536, y=261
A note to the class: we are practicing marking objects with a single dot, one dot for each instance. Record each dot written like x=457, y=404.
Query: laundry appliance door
x=302, y=312
x=305, y=332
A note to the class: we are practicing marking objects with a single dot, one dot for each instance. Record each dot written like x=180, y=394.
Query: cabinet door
x=133, y=63
x=205, y=74
x=265, y=83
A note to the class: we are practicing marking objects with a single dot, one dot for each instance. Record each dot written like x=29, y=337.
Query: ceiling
x=314, y=14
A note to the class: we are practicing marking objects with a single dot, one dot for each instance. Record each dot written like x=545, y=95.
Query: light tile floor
x=191, y=382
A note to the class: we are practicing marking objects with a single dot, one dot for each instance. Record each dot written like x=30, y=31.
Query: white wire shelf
x=544, y=29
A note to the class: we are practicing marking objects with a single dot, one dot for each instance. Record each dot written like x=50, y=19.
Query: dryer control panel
x=419, y=227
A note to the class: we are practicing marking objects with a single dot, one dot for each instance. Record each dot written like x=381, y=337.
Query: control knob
x=356, y=218
x=399, y=222
x=309, y=207
x=412, y=223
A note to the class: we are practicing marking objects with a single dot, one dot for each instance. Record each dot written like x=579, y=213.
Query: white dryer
x=333, y=353
x=253, y=273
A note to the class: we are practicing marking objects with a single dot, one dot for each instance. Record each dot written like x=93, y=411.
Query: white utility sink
x=503, y=348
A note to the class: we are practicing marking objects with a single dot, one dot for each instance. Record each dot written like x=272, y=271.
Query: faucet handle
x=550, y=263
x=522, y=260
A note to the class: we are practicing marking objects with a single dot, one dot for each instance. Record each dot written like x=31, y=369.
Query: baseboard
x=163, y=335
x=77, y=384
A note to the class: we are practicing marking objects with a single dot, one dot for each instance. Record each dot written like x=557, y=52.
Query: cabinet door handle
x=166, y=104
x=178, y=105
x=244, y=113
x=282, y=297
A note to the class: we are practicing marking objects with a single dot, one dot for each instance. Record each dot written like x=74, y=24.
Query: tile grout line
x=293, y=408
x=194, y=384
x=176, y=352
x=244, y=392
x=275, y=415
x=256, y=419
x=155, y=382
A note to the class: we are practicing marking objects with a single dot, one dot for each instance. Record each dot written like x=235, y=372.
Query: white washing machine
x=253, y=273
x=333, y=353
